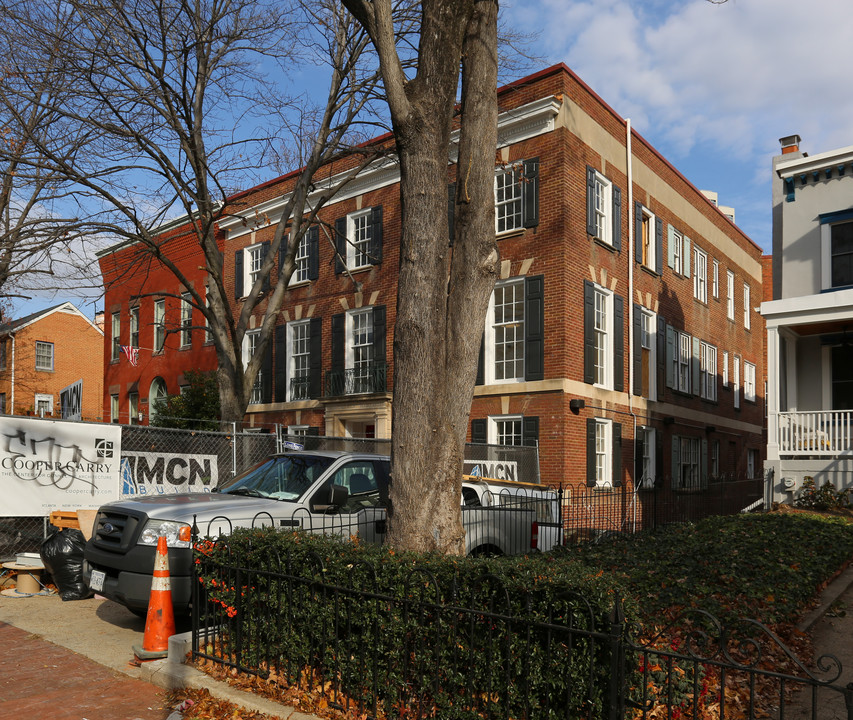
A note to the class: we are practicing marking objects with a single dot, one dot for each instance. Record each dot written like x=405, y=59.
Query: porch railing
x=367, y=378
x=816, y=433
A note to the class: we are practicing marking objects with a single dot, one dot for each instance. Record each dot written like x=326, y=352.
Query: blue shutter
x=670, y=246
x=686, y=251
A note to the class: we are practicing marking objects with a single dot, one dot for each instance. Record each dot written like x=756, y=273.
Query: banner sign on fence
x=71, y=401
x=47, y=465
x=159, y=473
x=497, y=470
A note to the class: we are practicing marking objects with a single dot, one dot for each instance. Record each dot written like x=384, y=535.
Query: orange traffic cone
x=160, y=621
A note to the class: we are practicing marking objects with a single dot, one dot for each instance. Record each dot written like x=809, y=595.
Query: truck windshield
x=286, y=477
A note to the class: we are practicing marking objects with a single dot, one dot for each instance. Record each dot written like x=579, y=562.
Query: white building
x=810, y=321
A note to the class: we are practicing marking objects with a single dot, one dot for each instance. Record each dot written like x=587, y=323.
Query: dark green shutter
x=616, y=194
x=266, y=376
x=338, y=341
x=530, y=193
x=340, y=245
x=379, y=331
x=376, y=235
x=238, y=274
x=638, y=232
x=695, y=367
x=618, y=343
x=282, y=251
x=315, y=358
x=478, y=430
x=534, y=328
x=281, y=363
x=590, y=201
x=658, y=246
x=529, y=430
x=661, y=369
x=638, y=350
x=313, y=240
x=265, y=248
x=590, y=452
x=312, y=430
x=617, y=454
x=588, y=332
x=671, y=354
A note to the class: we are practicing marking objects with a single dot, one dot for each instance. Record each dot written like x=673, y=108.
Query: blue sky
x=712, y=87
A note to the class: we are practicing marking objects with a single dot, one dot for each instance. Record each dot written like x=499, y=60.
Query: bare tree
x=443, y=290
x=180, y=103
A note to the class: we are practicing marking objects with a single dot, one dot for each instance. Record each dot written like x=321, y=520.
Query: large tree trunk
x=442, y=296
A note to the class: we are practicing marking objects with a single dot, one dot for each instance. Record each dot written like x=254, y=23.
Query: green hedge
x=459, y=635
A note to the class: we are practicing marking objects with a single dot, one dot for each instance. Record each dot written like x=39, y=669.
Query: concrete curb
x=830, y=594
x=172, y=674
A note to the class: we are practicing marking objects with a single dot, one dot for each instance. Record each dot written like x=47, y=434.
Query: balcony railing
x=300, y=387
x=818, y=432
x=367, y=378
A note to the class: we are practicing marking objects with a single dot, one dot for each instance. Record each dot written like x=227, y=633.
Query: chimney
x=790, y=144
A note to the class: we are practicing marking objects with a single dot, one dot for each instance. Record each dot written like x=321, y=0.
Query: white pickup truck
x=327, y=492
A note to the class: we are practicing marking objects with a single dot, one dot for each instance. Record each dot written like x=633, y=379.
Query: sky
x=711, y=86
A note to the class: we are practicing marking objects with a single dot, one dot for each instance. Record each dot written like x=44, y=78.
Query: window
x=603, y=475
x=601, y=205
x=360, y=349
x=300, y=272
x=358, y=239
x=603, y=337
x=506, y=332
x=646, y=457
x=748, y=381
x=725, y=369
x=134, y=327
x=708, y=371
x=841, y=254
x=358, y=251
x=44, y=404
x=247, y=268
x=730, y=296
x=686, y=463
x=358, y=352
x=114, y=408
x=715, y=281
x=678, y=252
x=645, y=371
x=841, y=374
x=116, y=335
x=186, y=320
x=299, y=372
x=647, y=238
x=156, y=394
x=159, y=325
x=751, y=463
x=44, y=355
x=746, y=308
x=254, y=261
x=736, y=381
x=133, y=408
x=300, y=431
x=508, y=200
x=506, y=430
x=250, y=345
x=715, y=459
x=700, y=275
x=683, y=372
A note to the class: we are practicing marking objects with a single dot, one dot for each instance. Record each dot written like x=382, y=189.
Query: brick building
x=621, y=335
x=45, y=352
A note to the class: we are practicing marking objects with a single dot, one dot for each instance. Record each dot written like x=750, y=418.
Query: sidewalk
x=70, y=660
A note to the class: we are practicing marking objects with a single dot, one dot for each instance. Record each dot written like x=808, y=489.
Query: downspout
x=630, y=308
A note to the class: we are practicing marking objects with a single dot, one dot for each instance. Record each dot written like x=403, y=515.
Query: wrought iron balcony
x=367, y=378
x=300, y=387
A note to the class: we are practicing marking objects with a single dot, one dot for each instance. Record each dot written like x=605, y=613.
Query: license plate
x=96, y=582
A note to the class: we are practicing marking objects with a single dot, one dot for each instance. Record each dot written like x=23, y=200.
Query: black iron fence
x=427, y=649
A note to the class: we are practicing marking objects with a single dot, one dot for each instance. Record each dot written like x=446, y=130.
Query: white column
x=772, y=393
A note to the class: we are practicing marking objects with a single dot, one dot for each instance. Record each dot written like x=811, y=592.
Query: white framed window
x=836, y=252
x=114, y=410
x=746, y=308
x=186, y=320
x=298, y=430
x=730, y=295
x=360, y=233
x=505, y=430
x=603, y=337
x=116, y=335
x=700, y=275
x=253, y=261
x=602, y=205
x=360, y=349
x=708, y=371
x=603, y=450
x=134, y=326
x=509, y=209
x=159, y=325
x=736, y=380
x=648, y=343
x=647, y=240
x=133, y=408
x=751, y=463
x=300, y=271
x=715, y=280
x=725, y=369
x=683, y=362
x=44, y=355
x=251, y=342
x=678, y=252
x=715, y=459
x=43, y=404
x=748, y=381
x=505, y=328
x=299, y=359
x=688, y=475
x=647, y=469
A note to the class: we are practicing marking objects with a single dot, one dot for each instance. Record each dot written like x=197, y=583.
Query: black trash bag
x=62, y=555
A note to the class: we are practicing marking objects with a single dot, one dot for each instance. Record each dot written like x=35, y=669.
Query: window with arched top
x=157, y=392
